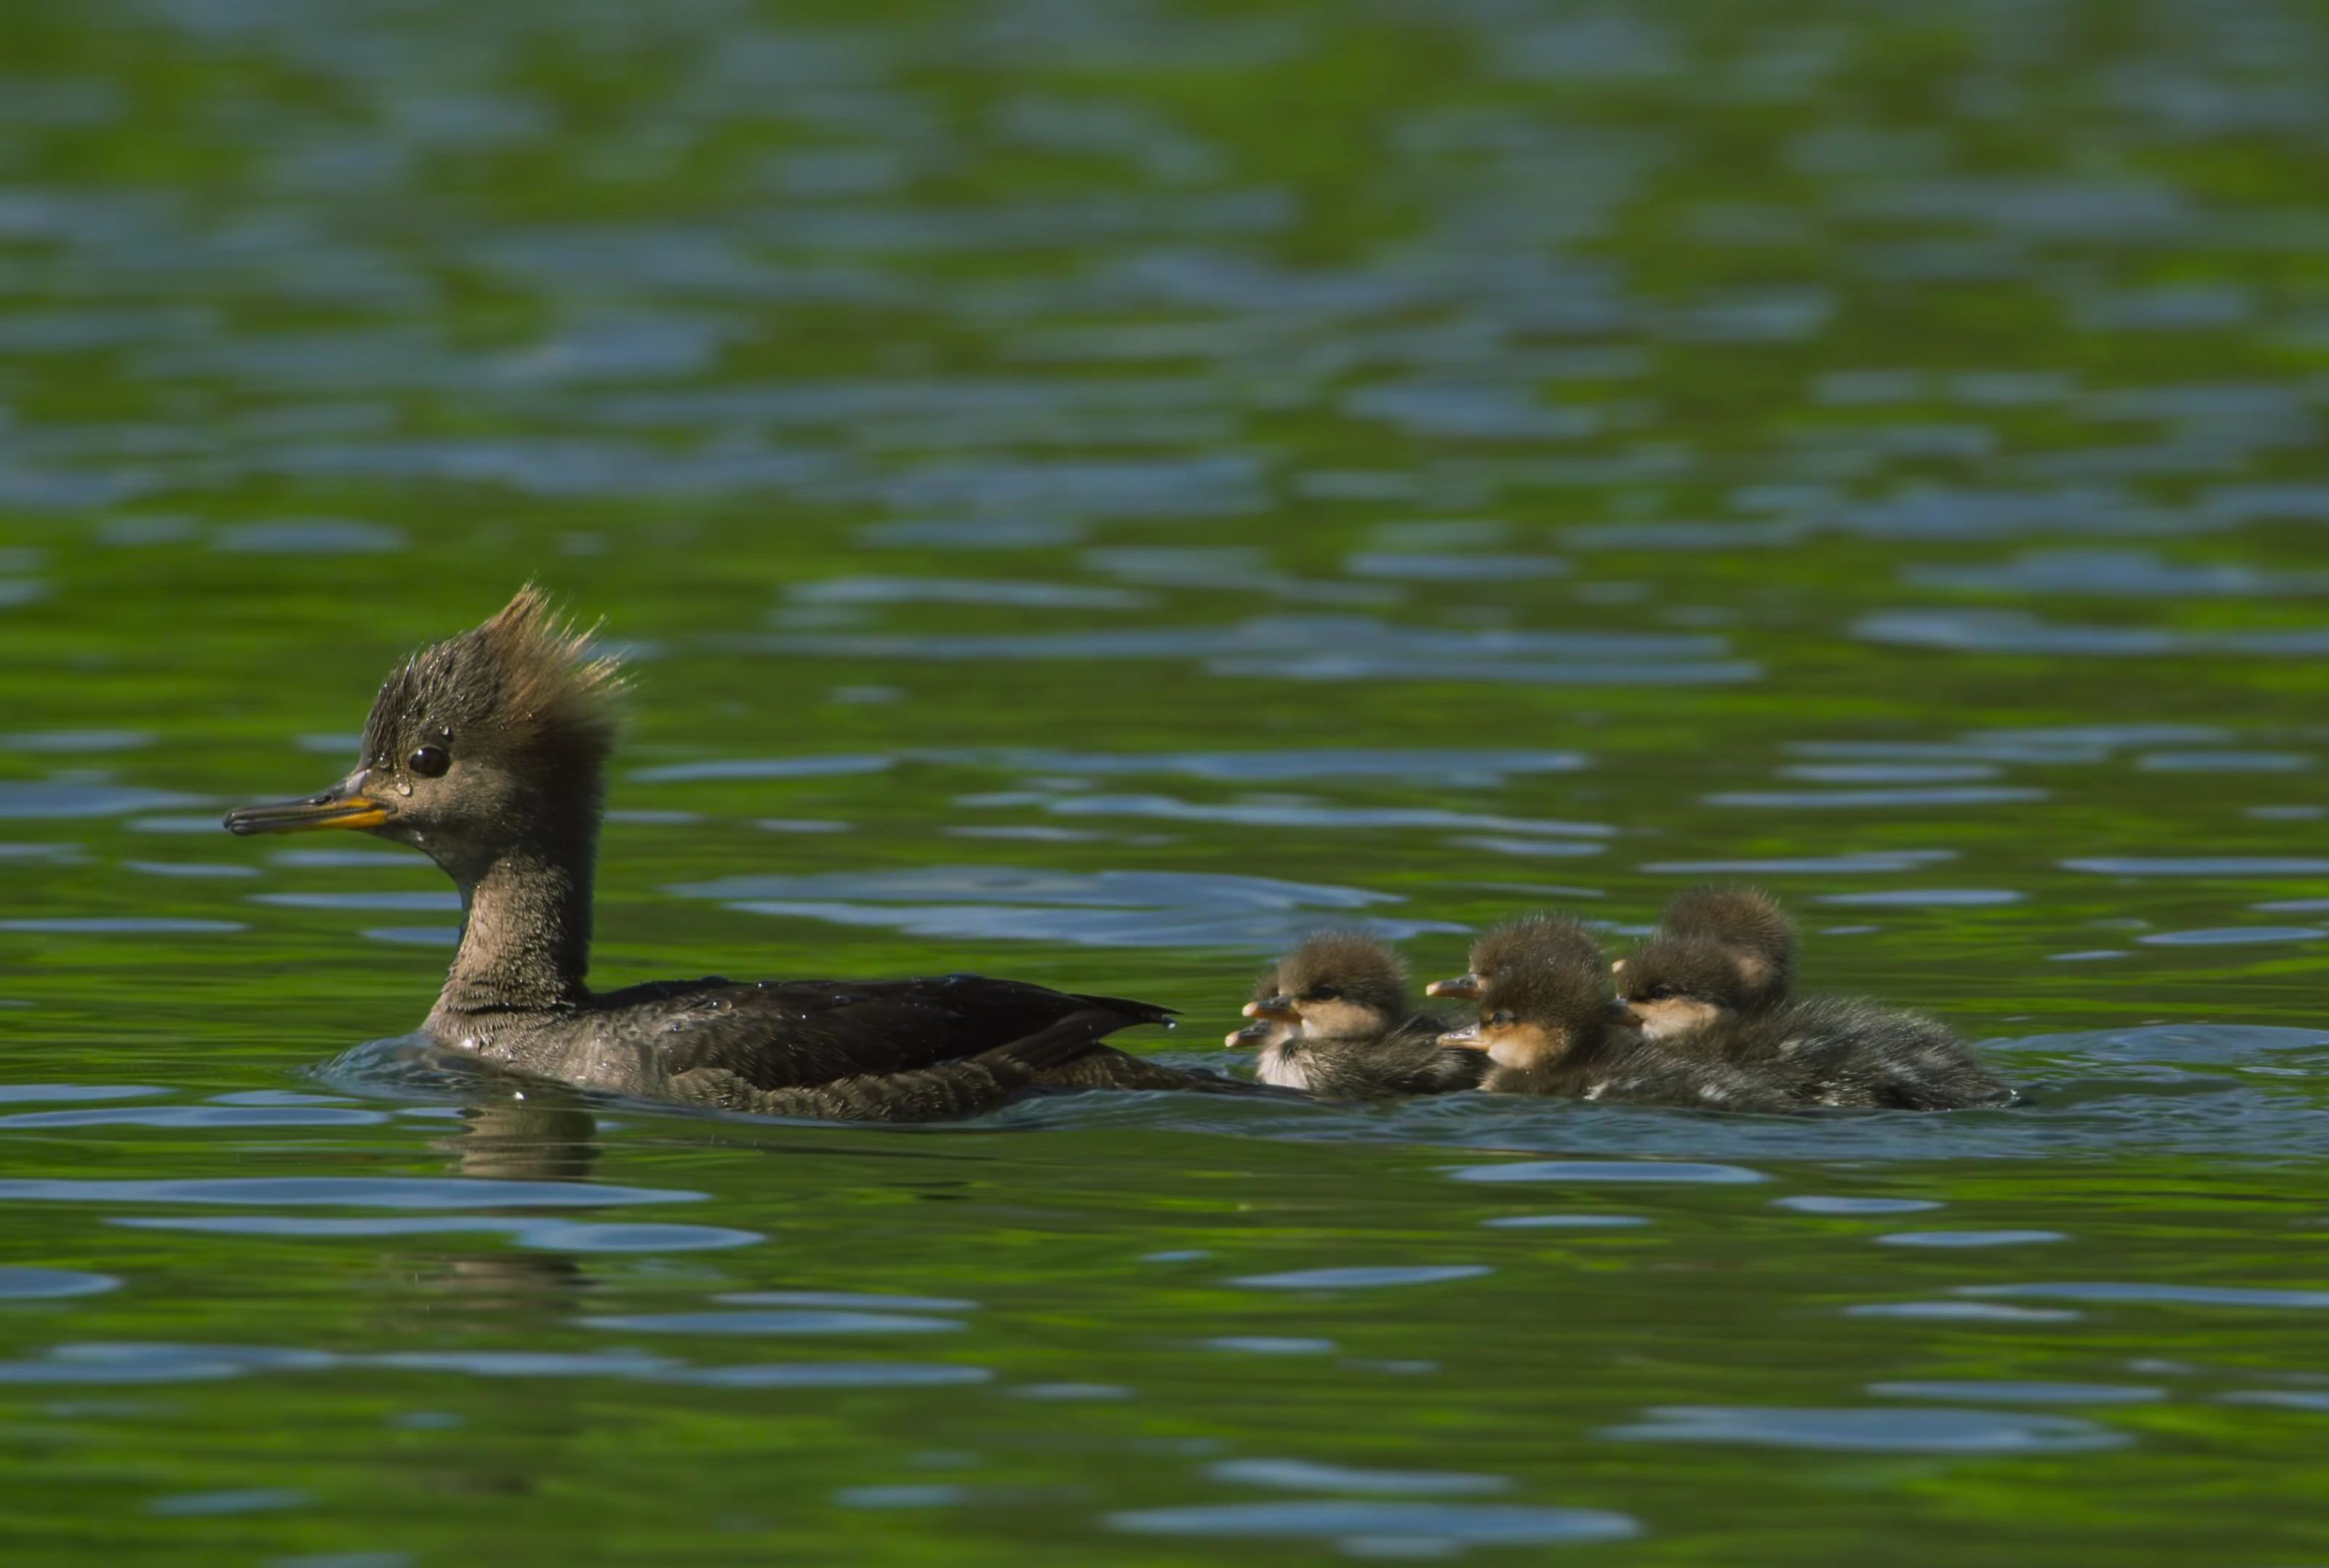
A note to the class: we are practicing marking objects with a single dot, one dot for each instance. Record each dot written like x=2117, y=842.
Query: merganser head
x=493, y=738
x=1544, y=995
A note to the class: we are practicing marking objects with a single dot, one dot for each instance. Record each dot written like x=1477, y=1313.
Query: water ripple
x=1962, y=1239
x=1129, y=909
x=2117, y=573
x=1321, y=647
x=799, y=1322
x=1598, y=1170
x=1961, y=1312
x=1454, y=767
x=2232, y=936
x=1865, y=863
x=1380, y=1530
x=832, y=1375
x=2001, y=1393
x=1276, y=813
x=2163, y=1294
x=2224, y=865
x=1363, y=1278
x=2223, y=763
x=183, y=1116
x=19, y=1284
x=2019, y=632
x=25, y=798
x=434, y=900
x=346, y=1192
x=827, y=767
x=542, y=1235
x=245, y=1500
x=1832, y=799
x=1926, y=898
x=34, y=1094
x=1883, y=1432
x=1808, y=1205
x=1307, y=1476
x=121, y=926
x=848, y=1299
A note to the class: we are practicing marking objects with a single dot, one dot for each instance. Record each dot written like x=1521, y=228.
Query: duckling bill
x=487, y=753
x=1274, y=1021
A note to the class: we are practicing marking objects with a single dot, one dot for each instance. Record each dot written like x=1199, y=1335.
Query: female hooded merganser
x=1719, y=955
x=1550, y=1023
x=485, y=752
x=1715, y=983
x=1341, y=997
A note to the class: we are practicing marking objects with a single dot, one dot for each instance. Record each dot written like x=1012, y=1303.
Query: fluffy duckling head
x=1681, y=984
x=1544, y=996
x=1532, y=941
x=1718, y=954
x=1747, y=919
x=1337, y=985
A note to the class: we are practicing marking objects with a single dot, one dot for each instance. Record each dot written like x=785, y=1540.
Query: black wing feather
x=800, y=1034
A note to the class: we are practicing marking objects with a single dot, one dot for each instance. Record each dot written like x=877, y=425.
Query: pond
x=1092, y=491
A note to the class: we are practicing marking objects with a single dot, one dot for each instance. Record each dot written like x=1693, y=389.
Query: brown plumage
x=1718, y=954
x=1715, y=981
x=1349, y=967
x=1534, y=942
x=1849, y=1053
x=1551, y=1024
x=1354, y=1034
x=526, y=680
x=1745, y=918
x=486, y=751
x=968, y=1086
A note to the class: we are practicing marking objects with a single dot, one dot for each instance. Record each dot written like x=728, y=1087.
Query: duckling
x=1550, y=1023
x=1714, y=981
x=1718, y=955
x=487, y=753
x=1342, y=997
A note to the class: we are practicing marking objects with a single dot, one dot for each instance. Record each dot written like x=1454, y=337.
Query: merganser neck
x=525, y=932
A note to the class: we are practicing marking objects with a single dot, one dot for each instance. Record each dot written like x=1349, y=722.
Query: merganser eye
x=429, y=761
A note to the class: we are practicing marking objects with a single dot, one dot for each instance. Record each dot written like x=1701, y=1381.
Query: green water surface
x=1090, y=492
